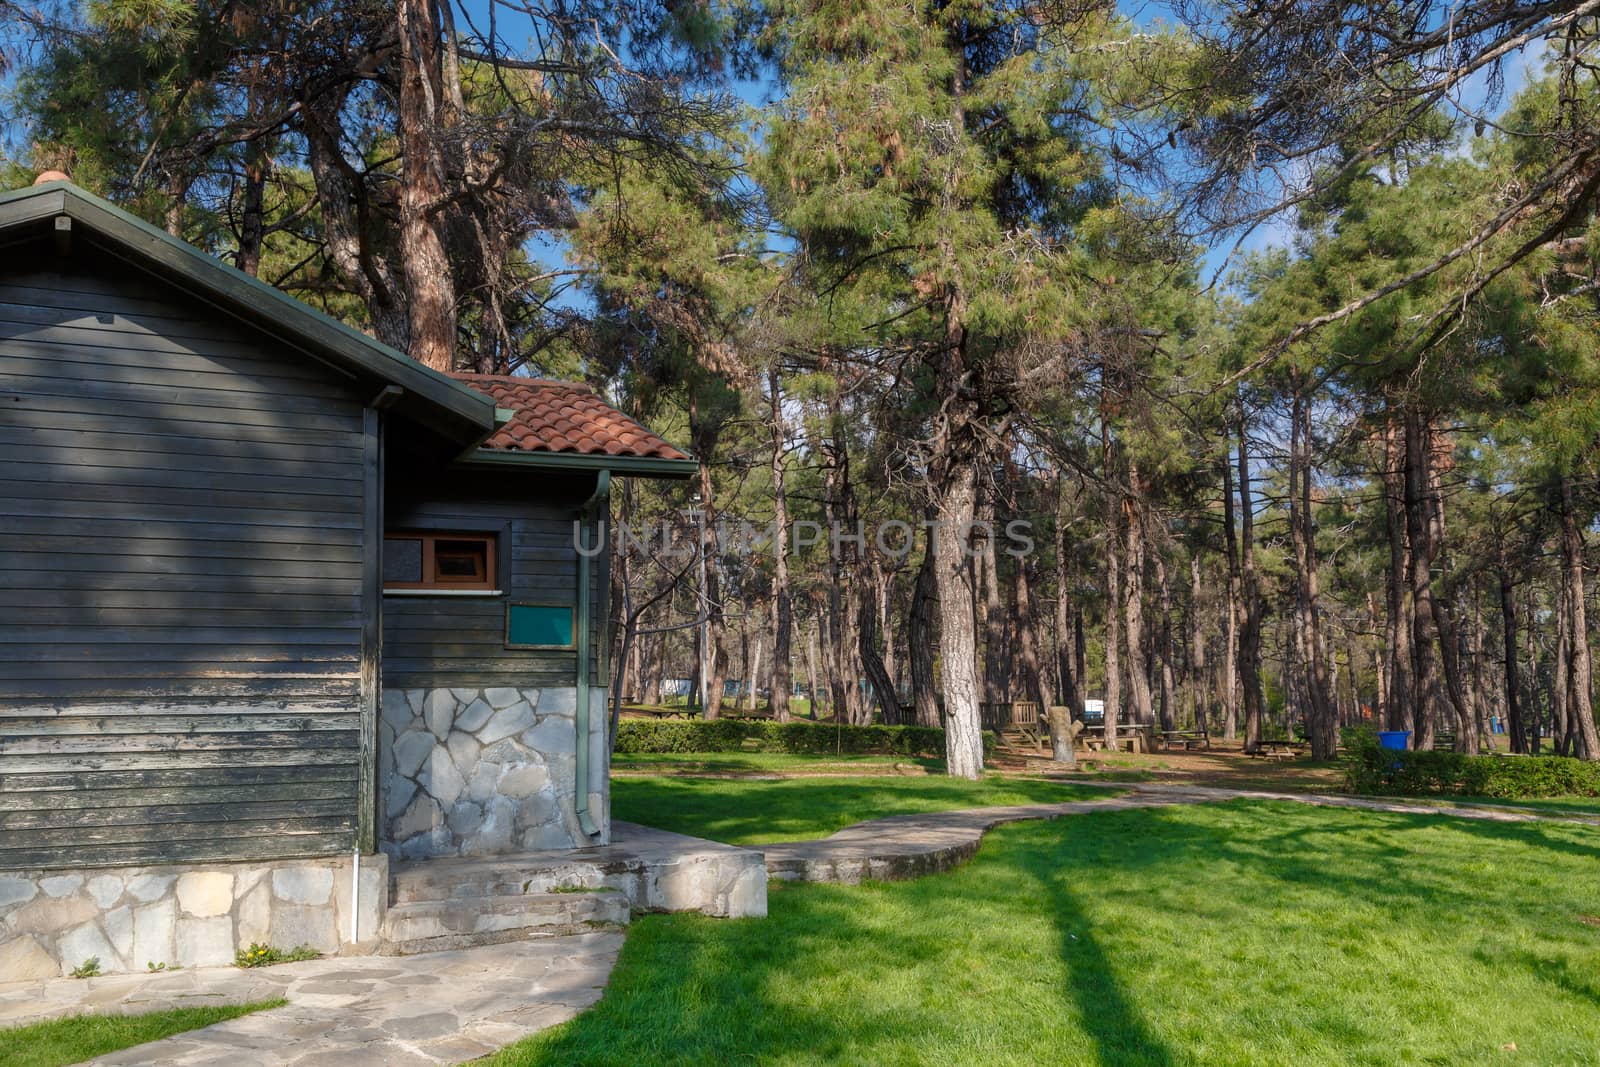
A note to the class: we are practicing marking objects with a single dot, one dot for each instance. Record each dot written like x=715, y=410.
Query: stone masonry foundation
x=190, y=915
x=478, y=772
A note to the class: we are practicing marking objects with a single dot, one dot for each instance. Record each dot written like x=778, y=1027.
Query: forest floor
x=1224, y=764
x=1246, y=932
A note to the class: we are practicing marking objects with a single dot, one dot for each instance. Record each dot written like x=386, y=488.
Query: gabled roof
x=564, y=424
x=463, y=416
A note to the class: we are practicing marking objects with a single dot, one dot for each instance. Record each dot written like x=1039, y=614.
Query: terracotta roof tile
x=563, y=417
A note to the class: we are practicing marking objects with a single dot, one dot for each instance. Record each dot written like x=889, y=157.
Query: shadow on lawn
x=1121, y=1036
x=1040, y=950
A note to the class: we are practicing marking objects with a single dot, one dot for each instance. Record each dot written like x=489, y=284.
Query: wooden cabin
x=277, y=604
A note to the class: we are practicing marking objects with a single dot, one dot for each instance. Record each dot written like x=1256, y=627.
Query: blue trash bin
x=1396, y=739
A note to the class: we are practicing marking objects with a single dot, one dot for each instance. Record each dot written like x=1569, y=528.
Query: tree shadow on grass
x=1122, y=1037
x=1036, y=951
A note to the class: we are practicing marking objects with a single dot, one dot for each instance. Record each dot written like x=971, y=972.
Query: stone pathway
x=449, y=1007
x=909, y=846
x=444, y=1007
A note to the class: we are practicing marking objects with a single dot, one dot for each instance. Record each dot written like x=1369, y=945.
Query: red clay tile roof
x=563, y=417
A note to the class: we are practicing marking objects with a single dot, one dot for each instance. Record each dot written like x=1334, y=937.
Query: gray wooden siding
x=460, y=641
x=180, y=581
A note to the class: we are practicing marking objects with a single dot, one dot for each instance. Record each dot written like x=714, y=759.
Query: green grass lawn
x=762, y=811
x=1238, y=934
x=757, y=762
x=81, y=1037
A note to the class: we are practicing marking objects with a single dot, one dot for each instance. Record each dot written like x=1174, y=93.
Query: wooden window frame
x=487, y=586
x=569, y=607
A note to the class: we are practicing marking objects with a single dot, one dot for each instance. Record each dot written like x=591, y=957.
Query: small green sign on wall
x=540, y=626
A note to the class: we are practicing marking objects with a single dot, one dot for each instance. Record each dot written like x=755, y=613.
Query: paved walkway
x=909, y=846
x=443, y=1007
x=449, y=1007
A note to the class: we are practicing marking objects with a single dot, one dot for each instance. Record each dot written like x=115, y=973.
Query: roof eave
x=462, y=415
x=620, y=466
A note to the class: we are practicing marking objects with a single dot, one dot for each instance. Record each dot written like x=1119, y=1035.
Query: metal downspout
x=581, y=770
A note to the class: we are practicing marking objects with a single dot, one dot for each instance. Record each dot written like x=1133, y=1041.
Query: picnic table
x=664, y=713
x=1187, y=738
x=1094, y=737
x=1279, y=748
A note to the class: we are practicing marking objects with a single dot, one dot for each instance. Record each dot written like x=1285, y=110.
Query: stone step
x=653, y=869
x=499, y=876
x=462, y=922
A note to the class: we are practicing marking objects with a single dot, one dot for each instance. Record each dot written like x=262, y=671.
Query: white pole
x=355, y=896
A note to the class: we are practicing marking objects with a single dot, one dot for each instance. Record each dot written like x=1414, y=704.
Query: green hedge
x=1370, y=768
x=798, y=738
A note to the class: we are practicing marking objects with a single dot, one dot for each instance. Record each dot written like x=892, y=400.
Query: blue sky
x=1146, y=13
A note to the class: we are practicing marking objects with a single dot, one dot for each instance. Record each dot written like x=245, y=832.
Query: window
x=540, y=625
x=439, y=562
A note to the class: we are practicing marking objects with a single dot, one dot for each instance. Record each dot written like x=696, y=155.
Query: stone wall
x=192, y=915
x=475, y=772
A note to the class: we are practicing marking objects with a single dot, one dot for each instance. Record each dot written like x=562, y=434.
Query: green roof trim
x=620, y=466
x=462, y=415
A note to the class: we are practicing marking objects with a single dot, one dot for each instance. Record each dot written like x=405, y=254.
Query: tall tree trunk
x=1066, y=668
x=1531, y=650
x=713, y=658
x=1198, y=676
x=1029, y=673
x=1380, y=663
x=752, y=674
x=1561, y=691
x=1230, y=646
x=884, y=590
x=1322, y=728
x=1080, y=654
x=1113, y=611
x=347, y=223
x=1061, y=747
x=1398, y=702
x=1450, y=641
x=1168, y=685
x=423, y=114
x=922, y=636
x=782, y=602
x=1508, y=635
x=1255, y=701
x=996, y=655
x=956, y=506
x=959, y=448
x=1479, y=692
x=1140, y=705
x=871, y=660
x=1425, y=629
x=813, y=696
x=177, y=200
x=1580, y=673
x=252, y=210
